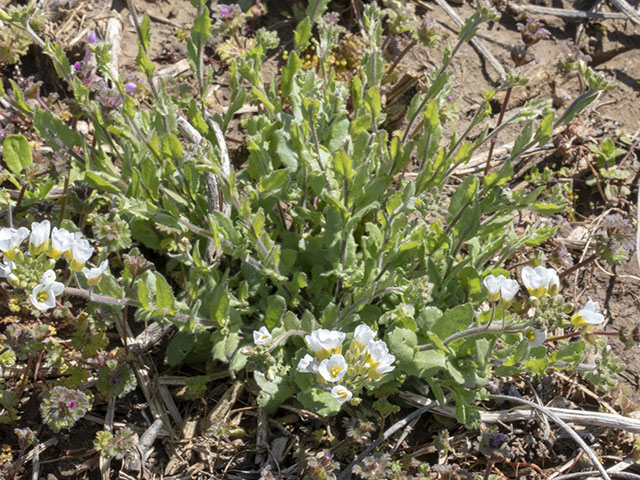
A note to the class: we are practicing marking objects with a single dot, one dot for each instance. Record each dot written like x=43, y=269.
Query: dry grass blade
x=565, y=13
x=627, y=9
x=622, y=475
x=346, y=473
x=579, y=417
x=546, y=411
x=476, y=42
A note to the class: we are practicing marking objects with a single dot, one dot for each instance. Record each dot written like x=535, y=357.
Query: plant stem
x=601, y=333
x=518, y=327
x=65, y=191
x=400, y=56
x=494, y=139
x=487, y=470
x=578, y=265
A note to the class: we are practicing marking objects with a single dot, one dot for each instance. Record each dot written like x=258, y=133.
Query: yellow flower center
x=530, y=335
x=335, y=371
x=43, y=296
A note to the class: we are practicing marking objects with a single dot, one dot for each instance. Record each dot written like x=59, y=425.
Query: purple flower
x=77, y=65
x=532, y=32
x=130, y=87
x=227, y=11
x=72, y=404
x=91, y=39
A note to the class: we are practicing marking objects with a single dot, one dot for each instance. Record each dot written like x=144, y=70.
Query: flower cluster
x=32, y=269
x=532, y=32
x=541, y=281
x=62, y=407
x=366, y=359
x=501, y=288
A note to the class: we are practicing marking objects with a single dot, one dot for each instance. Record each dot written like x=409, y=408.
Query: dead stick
x=565, y=13
x=476, y=42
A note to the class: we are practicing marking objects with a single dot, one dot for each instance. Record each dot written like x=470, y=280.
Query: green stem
x=494, y=138
x=499, y=329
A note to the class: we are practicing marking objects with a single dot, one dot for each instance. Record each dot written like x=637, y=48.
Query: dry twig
x=564, y=13
x=476, y=42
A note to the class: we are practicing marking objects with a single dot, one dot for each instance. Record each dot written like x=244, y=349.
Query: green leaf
x=179, y=347
x=17, y=153
x=302, y=35
x=319, y=402
x=343, y=166
x=164, y=294
x=453, y=320
x=523, y=139
x=294, y=64
x=276, y=306
x=428, y=363
x=545, y=130
x=372, y=101
x=401, y=343
x=274, y=181
x=471, y=282
x=99, y=183
x=141, y=231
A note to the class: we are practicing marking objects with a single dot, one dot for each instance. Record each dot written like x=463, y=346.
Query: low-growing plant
x=333, y=233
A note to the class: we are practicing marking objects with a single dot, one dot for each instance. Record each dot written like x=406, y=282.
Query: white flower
x=363, y=335
x=262, y=337
x=324, y=342
x=508, y=289
x=5, y=269
x=39, y=238
x=308, y=364
x=341, y=394
x=534, y=337
x=10, y=238
x=61, y=242
x=589, y=315
x=333, y=369
x=93, y=274
x=43, y=296
x=500, y=287
x=81, y=251
x=540, y=281
x=492, y=284
x=379, y=358
x=48, y=277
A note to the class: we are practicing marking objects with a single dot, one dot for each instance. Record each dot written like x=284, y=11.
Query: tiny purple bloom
x=77, y=65
x=72, y=404
x=91, y=39
x=227, y=12
x=130, y=87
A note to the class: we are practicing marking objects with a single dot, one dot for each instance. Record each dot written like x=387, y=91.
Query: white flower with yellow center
x=10, y=239
x=341, y=394
x=61, y=241
x=362, y=335
x=500, y=288
x=333, y=369
x=534, y=337
x=94, y=274
x=43, y=296
x=540, y=281
x=39, y=238
x=308, y=364
x=81, y=251
x=262, y=337
x=379, y=359
x=325, y=343
x=589, y=315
